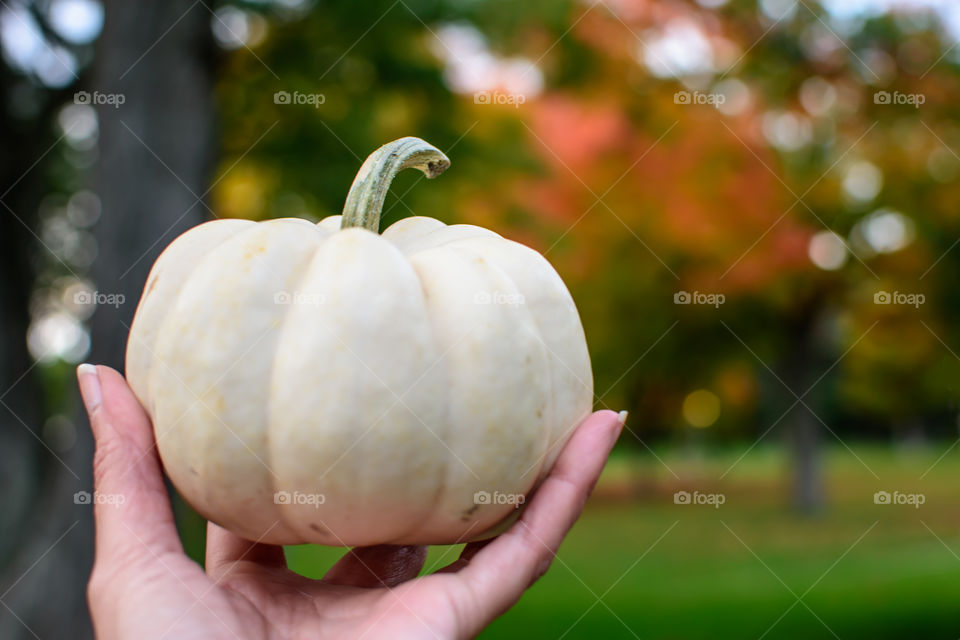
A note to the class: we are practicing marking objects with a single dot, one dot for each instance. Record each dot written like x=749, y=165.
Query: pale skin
x=143, y=585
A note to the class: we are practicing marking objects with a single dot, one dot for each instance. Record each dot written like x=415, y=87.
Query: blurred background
x=755, y=204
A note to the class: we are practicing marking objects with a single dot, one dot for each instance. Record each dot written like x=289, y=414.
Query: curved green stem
x=369, y=188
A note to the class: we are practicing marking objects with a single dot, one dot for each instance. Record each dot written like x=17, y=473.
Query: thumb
x=131, y=507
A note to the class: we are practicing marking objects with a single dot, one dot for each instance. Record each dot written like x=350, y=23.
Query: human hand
x=144, y=586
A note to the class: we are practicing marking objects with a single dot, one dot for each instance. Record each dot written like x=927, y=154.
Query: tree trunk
x=803, y=435
x=808, y=490
x=45, y=539
x=156, y=150
x=154, y=165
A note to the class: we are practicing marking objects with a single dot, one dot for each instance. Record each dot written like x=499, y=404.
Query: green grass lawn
x=638, y=565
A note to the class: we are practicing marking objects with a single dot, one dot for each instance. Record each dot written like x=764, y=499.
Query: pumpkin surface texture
x=330, y=384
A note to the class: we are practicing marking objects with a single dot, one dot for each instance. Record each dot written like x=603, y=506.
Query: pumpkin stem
x=369, y=188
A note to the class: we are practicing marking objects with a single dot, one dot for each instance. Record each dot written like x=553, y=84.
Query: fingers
x=466, y=555
x=225, y=549
x=380, y=566
x=131, y=506
x=498, y=573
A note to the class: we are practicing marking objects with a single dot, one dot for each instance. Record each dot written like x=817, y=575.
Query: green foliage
x=634, y=197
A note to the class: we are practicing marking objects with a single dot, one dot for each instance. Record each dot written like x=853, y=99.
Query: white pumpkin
x=312, y=383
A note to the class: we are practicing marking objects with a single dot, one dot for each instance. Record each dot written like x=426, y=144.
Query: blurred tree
x=152, y=89
x=636, y=195
x=45, y=540
x=156, y=150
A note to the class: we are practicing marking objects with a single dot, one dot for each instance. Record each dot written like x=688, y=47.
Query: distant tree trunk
x=156, y=150
x=803, y=427
x=45, y=539
x=808, y=491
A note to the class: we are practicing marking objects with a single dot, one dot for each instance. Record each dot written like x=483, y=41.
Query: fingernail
x=623, y=417
x=89, y=381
